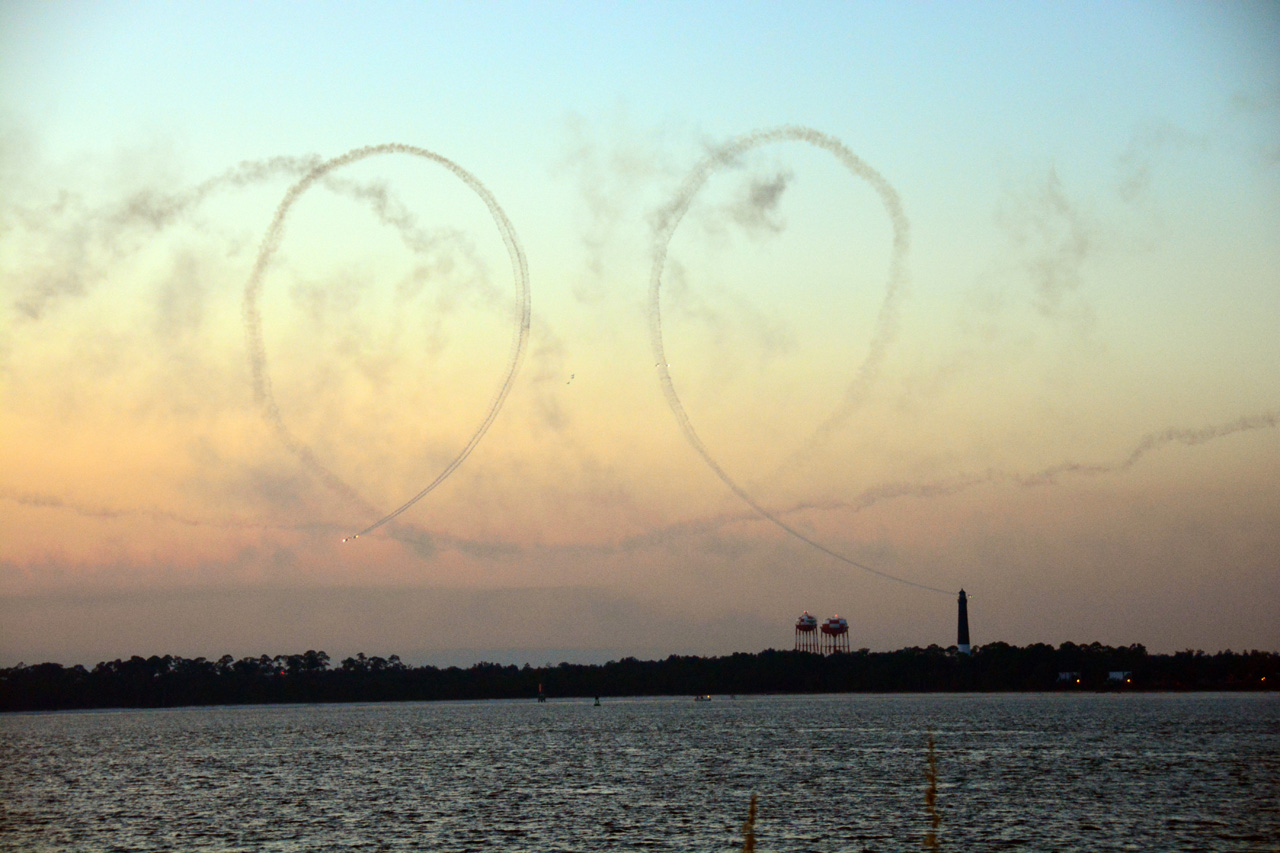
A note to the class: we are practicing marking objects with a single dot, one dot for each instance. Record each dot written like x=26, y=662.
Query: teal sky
x=1072, y=412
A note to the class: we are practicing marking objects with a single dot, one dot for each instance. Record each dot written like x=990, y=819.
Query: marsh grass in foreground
x=749, y=828
x=930, y=805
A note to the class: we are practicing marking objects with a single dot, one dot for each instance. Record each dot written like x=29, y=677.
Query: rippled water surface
x=833, y=773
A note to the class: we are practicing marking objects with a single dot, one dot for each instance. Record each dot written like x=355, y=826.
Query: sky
x=687, y=318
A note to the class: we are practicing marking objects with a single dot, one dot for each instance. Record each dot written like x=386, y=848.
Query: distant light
x=1128, y=681
x=1077, y=681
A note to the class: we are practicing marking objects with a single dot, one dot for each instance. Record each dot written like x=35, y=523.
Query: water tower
x=835, y=637
x=807, y=633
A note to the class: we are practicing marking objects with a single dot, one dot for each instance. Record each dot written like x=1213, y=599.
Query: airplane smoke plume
x=1055, y=240
x=39, y=500
x=759, y=202
x=160, y=210
x=1153, y=441
x=1050, y=475
x=668, y=220
x=107, y=231
x=262, y=390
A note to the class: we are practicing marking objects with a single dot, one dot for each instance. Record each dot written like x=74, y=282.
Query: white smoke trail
x=40, y=500
x=257, y=351
x=160, y=210
x=91, y=238
x=1172, y=435
x=109, y=229
x=944, y=487
x=1050, y=475
x=92, y=234
x=414, y=538
x=666, y=222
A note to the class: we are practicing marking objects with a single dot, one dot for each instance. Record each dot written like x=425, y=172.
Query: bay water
x=1035, y=772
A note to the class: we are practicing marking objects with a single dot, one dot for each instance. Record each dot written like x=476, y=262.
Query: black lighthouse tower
x=962, y=637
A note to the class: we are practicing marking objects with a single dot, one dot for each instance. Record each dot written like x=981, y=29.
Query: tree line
x=171, y=681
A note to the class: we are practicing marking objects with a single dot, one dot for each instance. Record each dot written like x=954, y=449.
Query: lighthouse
x=962, y=637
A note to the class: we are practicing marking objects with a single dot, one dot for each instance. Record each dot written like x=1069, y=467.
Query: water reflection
x=834, y=773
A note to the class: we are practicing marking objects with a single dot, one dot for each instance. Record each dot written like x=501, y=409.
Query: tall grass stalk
x=749, y=828
x=930, y=803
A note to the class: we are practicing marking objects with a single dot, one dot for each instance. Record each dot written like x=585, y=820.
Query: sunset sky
x=1063, y=398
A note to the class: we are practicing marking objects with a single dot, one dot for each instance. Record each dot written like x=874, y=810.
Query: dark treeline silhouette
x=170, y=681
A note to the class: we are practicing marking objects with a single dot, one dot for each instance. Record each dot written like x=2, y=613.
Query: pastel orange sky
x=1068, y=406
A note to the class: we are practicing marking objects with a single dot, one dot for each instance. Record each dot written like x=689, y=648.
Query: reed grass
x=930, y=805
x=749, y=828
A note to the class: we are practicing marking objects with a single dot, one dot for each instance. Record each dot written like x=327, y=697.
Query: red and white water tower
x=807, y=634
x=835, y=635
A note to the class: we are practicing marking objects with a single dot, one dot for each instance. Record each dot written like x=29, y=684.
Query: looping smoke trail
x=666, y=222
x=257, y=350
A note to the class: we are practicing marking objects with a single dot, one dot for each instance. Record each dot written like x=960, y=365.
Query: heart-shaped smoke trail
x=668, y=220
x=257, y=351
